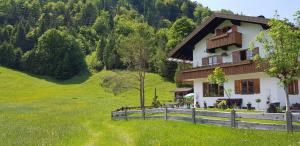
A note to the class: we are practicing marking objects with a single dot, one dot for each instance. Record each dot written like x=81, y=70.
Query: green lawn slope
x=38, y=110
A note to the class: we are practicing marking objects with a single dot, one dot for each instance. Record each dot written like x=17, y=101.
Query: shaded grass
x=41, y=111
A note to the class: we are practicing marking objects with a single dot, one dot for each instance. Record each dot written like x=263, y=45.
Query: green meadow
x=41, y=111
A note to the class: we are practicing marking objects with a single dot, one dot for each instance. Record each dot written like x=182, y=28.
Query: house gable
x=184, y=50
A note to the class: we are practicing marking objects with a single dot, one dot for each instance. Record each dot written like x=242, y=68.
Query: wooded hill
x=63, y=38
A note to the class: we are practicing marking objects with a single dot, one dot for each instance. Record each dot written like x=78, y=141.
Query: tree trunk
x=287, y=99
x=141, y=95
x=142, y=91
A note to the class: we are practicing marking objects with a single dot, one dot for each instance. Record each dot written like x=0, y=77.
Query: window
x=243, y=55
x=212, y=60
x=293, y=88
x=249, y=55
x=213, y=90
x=249, y=86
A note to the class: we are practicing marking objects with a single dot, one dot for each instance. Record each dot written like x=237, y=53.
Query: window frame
x=213, y=60
x=248, y=92
x=207, y=87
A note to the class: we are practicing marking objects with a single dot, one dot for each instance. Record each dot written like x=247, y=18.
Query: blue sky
x=285, y=8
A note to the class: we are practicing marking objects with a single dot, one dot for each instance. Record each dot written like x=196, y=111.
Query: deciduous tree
x=281, y=43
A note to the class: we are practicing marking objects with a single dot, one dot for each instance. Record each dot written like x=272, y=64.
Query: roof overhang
x=184, y=50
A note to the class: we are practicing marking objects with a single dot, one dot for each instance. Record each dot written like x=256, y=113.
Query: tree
x=57, y=54
x=101, y=24
x=281, y=43
x=226, y=11
x=201, y=13
x=179, y=30
x=219, y=77
x=88, y=14
x=7, y=56
x=134, y=51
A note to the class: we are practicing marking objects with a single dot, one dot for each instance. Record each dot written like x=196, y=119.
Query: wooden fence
x=231, y=119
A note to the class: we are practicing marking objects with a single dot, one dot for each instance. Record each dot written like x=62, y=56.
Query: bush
x=156, y=103
x=93, y=63
x=57, y=54
x=222, y=104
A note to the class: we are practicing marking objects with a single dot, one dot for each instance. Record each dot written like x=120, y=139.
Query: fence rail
x=230, y=119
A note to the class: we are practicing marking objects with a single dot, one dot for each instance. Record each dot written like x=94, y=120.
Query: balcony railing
x=224, y=40
x=242, y=67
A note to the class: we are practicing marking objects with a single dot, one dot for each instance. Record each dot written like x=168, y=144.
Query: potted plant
x=222, y=104
x=258, y=101
x=249, y=105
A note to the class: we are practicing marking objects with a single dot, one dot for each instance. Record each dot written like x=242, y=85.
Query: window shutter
x=205, y=89
x=205, y=61
x=237, y=86
x=256, y=86
x=219, y=59
x=291, y=88
x=236, y=56
x=255, y=51
x=296, y=87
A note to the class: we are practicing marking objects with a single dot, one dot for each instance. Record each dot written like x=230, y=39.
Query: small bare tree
x=135, y=53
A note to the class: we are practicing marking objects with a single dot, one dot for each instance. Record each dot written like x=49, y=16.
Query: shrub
x=93, y=63
x=222, y=104
x=156, y=103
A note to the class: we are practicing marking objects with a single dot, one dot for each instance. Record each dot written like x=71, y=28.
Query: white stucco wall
x=269, y=87
x=249, y=32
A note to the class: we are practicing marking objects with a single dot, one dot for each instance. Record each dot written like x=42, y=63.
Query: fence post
x=232, y=118
x=166, y=113
x=144, y=114
x=125, y=112
x=194, y=115
x=289, y=121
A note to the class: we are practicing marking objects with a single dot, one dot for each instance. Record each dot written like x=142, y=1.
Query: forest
x=62, y=38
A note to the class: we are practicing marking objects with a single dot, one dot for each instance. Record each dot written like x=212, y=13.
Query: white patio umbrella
x=189, y=96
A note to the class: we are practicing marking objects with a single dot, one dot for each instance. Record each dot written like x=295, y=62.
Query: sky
x=285, y=8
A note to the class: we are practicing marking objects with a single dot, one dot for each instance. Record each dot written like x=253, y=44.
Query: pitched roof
x=184, y=50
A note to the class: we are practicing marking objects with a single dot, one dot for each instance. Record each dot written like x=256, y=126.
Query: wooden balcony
x=224, y=40
x=242, y=67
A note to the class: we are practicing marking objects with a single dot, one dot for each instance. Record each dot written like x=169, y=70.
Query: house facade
x=223, y=40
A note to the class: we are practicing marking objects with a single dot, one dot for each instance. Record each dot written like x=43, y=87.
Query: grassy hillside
x=42, y=111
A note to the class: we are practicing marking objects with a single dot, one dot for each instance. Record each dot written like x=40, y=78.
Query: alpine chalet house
x=223, y=40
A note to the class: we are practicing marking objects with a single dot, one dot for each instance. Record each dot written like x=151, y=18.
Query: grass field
x=41, y=111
